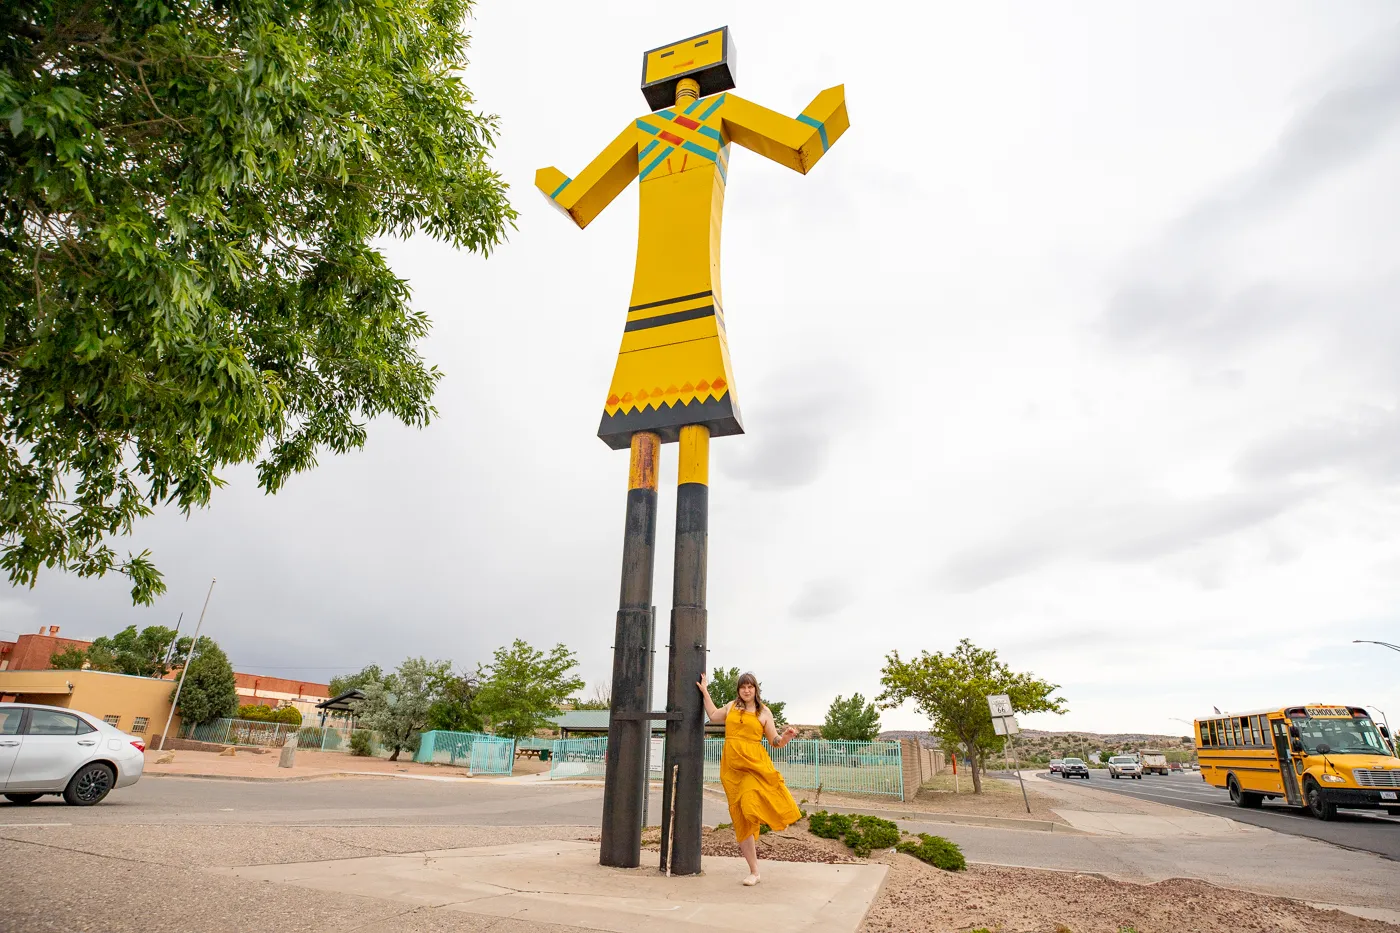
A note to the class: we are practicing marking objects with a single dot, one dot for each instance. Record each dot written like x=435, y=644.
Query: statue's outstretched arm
x=583, y=198
x=799, y=143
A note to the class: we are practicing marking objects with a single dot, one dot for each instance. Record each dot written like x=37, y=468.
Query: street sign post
x=1004, y=723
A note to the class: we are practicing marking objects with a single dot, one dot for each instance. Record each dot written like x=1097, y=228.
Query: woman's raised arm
x=770, y=730
x=712, y=713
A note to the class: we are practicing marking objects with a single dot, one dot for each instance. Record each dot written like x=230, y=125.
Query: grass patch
x=936, y=851
x=943, y=784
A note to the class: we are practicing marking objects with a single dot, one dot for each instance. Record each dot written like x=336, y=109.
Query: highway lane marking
x=1290, y=812
x=16, y=825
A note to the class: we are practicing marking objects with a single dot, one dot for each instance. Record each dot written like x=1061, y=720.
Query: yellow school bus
x=1319, y=756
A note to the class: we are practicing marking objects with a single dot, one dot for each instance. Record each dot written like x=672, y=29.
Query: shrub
x=361, y=744
x=862, y=833
x=937, y=851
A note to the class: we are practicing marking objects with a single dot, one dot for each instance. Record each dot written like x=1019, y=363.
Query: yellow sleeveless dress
x=756, y=791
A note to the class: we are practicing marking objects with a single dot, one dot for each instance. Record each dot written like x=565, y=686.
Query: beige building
x=138, y=705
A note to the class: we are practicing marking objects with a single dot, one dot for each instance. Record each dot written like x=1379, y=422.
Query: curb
x=330, y=776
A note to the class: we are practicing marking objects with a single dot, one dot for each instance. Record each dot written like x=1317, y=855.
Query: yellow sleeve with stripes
x=798, y=143
x=584, y=198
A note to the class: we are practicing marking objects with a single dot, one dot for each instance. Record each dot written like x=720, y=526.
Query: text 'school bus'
x=1318, y=756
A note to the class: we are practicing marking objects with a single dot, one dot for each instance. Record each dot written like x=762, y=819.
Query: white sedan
x=51, y=750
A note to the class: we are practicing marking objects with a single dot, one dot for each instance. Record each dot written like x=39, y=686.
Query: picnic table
x=534, y=748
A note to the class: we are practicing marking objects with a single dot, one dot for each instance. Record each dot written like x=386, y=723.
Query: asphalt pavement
x=1363, y=830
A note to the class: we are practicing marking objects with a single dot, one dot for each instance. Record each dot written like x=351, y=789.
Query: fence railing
x=839, y=767
x=577, y=758
x=481, y=753
x=332, y=737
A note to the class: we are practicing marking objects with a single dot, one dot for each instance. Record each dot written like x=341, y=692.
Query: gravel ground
x=1006, y=900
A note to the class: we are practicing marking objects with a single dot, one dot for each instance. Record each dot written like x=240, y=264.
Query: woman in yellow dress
x=756, y=791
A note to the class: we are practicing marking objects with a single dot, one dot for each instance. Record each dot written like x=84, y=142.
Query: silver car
x=51, y=750
x=1120, y=766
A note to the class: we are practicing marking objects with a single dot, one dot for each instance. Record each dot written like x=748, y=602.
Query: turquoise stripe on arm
x=821, y=127
x=555, y=195
x=714, y=105
x=668, y=114
x=710, y=132
x=643, y=125
x=647, y=151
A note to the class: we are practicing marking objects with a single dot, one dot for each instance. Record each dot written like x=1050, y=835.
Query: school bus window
x=1244, y=731
x=1214, y=733
x=1232, y=726
x=1261, y=731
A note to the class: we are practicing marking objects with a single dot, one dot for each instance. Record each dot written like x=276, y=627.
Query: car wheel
x=1114, y=776
x=90, y=785
x=1393, y=811
x=22, y=799
x=1317, y=806
x=1137, y=777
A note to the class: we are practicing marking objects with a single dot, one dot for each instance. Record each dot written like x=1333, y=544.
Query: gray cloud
x=823, y=598
x=1176, y=293
x=1367, y=444
x=802, y=412
x=1126, y=532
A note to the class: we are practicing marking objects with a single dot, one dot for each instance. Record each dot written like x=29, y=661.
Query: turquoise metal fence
x=481, y=753
x=239, y=732
x=577, y=758
x=806, y=764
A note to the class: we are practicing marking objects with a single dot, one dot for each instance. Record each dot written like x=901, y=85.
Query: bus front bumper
x=1354, y=798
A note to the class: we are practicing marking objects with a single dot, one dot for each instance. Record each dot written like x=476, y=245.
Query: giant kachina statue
x=673, y=382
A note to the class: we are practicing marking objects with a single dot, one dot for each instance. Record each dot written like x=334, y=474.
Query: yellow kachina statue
x=673, y=382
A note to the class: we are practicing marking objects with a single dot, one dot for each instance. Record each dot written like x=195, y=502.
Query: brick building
x=32, y=653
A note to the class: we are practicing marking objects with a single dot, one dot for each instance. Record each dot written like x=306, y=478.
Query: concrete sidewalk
x=560, y=882
x=312, y=764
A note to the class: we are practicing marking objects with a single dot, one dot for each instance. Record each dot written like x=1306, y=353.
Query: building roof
x=343, y=701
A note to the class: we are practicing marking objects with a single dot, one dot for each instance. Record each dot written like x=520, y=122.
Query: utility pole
x=188, y=657
x=170, y=652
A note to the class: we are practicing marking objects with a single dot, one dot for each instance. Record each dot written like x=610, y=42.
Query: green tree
x=851, y=720
x=140, y=655
x=524, y=686
x=952, y=690
x=397, y=707
x=370, y=674
x=724, y=688
x=454, y=708
x=209, y=691
x=601, y=698
x=288, y=715
x=191, y=201
x=71, y=658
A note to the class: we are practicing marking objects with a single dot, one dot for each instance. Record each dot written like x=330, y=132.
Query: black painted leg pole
x=685, y=745
x=625, y=781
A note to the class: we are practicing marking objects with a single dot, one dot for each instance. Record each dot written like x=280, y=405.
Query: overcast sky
x=1082, y=343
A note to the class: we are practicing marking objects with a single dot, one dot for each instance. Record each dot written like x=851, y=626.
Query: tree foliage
x=397, y=707
x=140, y=654
x=368, y=675
x=71, y=658
x=724, y=688
x=209, y=690
x=524, y=686
x=601, y=698
x=454, y=706
x=261, y=712
x=952, y=690
x=190, y=194
x=851, y=720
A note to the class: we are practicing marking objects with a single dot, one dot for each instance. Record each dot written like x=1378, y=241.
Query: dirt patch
x=1006, y=900
x=1012, y=900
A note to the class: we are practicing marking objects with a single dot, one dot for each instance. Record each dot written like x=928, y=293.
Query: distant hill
x=1037, y=743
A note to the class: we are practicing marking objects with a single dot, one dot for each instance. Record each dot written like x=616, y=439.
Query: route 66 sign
x=1000, y=705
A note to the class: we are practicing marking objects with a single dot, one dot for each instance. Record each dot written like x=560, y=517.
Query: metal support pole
x=685, y=736
x=624, y=783
x=1018, y=772
x=188, y=657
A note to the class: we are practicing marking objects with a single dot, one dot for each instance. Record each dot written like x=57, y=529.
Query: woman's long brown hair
x=748, y=678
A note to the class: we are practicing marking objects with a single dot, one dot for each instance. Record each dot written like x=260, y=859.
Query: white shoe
x=750, y=881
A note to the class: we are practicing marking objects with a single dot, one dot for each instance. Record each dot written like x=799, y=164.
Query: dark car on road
x=1074, y=767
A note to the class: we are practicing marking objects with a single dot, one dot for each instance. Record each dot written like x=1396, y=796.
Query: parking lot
x=1366, y=830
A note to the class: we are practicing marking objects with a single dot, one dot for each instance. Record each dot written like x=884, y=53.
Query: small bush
x=937, y=851
x=361, y=744
x=862, y=833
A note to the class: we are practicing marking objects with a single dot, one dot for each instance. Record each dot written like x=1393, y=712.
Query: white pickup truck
x=1153, y=761
x=1121, y=766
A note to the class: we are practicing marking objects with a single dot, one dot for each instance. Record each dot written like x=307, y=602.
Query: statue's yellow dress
x=756, y=791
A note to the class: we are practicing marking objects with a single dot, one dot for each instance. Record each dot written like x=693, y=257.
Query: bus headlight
x=1334, y=779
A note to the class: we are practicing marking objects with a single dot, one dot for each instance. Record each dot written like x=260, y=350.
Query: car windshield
x=1122, y=761
x=1074, y=761
x=1340, y=737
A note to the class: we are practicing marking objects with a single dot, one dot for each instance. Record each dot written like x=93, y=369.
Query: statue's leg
x=625, y=782
x=685, y=737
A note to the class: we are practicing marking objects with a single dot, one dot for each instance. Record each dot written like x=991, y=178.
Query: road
x=1364, y=830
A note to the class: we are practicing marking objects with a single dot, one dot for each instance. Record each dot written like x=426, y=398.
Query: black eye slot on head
x=665, y=54
x=702, y=42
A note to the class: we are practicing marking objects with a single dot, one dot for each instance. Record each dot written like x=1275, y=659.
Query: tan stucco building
x=138, y=705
